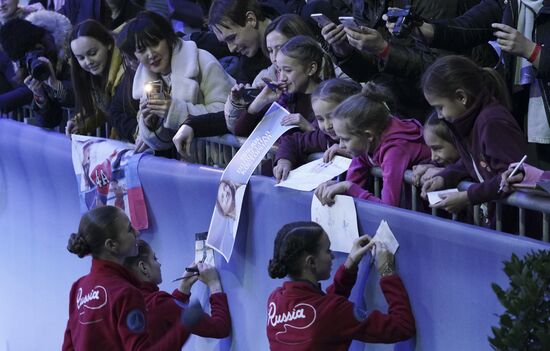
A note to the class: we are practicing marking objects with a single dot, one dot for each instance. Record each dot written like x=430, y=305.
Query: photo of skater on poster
x=106, y=173
x=229, y=199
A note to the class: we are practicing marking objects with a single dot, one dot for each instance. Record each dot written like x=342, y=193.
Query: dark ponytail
x=96, y=226
x=368, y=110
x=305, y=49
x=453, y=72
x=292, y=241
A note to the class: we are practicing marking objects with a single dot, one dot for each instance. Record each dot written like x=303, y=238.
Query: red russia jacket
x=107, y=312
x=301, y=317
x=164, y=311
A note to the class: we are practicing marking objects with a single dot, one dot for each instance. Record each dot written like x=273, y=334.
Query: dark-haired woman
x=302, y=317
x=191, y=81
x=164, y=309
x=106, y=308
x=96, y=70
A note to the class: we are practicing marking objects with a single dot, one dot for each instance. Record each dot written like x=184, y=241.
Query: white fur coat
x=199, y=86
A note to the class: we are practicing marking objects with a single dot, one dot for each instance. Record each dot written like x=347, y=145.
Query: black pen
x=187, y=276
x=195, y=270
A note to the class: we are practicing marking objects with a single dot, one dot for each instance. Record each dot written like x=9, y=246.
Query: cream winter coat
x=199, y=86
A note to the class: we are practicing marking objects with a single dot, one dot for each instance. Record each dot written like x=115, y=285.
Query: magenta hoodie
x=401, y=147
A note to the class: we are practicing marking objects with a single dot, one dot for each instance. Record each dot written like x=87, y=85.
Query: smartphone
x=249, y=94
x=154, y=91
x=270, y=84
x=349, y=22
x=321, y=19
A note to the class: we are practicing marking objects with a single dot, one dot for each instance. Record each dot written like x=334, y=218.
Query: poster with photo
x=106, y=174
x=227, y=210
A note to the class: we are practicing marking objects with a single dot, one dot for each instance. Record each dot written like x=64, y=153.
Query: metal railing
x=218, y=151
x=536, y=201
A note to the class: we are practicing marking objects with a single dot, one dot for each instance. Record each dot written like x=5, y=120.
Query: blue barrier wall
x=447, y=267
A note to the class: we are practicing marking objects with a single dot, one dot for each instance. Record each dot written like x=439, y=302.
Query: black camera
x=405, y=21
x=38, y=69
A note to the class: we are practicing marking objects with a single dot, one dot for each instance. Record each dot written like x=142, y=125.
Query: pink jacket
x=401, y=147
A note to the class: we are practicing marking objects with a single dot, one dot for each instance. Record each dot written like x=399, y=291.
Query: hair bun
x=78, y=245
x=379, y=93
x=276, y=269
x=372, y=91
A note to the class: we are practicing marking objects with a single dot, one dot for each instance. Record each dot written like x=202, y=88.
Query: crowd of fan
x=451, y=89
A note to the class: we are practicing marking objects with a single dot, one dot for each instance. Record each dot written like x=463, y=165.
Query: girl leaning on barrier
x=96, y=70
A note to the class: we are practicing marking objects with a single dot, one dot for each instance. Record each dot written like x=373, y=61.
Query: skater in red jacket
x=106, y=307
x=302, y=317
x=164, y=309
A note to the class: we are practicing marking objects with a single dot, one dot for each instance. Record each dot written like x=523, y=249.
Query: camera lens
x=40, y=71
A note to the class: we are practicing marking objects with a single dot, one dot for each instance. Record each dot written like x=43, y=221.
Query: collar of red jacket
x=298, y=286
x=104, y=267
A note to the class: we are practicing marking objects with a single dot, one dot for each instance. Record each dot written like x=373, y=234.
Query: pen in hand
x=514, y=171
x=192, y=269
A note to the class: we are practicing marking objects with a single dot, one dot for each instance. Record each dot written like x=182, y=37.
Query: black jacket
x=123, y=109
x=407, y=59
x=448, y=35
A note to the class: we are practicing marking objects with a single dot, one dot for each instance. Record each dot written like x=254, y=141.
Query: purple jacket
x=488, y=135
x=401, y=146
x=297, y=146
x=294, y=103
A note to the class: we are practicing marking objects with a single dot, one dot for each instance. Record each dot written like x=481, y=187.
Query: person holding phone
x=193, y=81
x=277, y=33
x=303, y=65
x=365, y=51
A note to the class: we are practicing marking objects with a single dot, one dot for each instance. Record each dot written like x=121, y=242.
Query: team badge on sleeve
x=135, y=321
x=360, y=314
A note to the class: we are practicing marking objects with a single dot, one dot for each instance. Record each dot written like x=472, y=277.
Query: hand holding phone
x=322, y=20
x=349, y=22
x=154, y=90
x=249, y=94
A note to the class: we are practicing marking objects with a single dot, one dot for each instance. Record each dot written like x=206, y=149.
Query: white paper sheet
x=203, y=253
x=314, y=173
x=435, y=196
x=385, y=236
x=338, y=220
